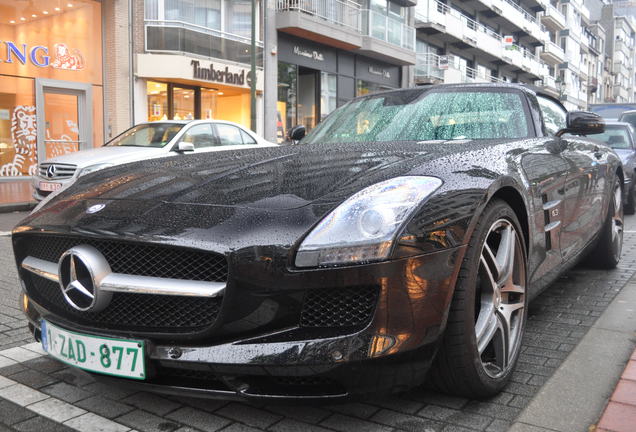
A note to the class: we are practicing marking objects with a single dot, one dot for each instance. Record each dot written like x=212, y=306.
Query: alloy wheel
x=501, y=298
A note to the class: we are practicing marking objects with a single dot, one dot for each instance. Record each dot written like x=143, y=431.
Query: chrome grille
x=56, y=171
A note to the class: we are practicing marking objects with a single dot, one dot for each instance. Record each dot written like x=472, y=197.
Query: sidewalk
x=620, y=413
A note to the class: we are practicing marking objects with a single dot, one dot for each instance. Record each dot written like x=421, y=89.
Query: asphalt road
x=37, y=393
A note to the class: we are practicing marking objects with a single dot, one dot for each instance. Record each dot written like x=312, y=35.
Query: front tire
x=607, y=252
x=486, y=321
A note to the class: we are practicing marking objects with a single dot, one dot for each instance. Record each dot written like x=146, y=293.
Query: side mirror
x=183, y=147
x=583, y=123
x=297, y=133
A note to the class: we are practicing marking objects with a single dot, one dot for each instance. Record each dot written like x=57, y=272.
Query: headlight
x=363, y=227
x=92, y=168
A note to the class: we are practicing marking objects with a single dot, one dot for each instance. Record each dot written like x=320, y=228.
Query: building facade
x=330, y=51
x=51, y=84
x=75, y=73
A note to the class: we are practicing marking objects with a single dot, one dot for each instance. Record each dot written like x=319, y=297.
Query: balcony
x=524, y=60
x=343, y=24
x=552, y=53
x=553, y=18
x=620, y=45
x=620, y=93
x=186, y=38
x=444, y=24
x=549, y=85
x=427, y=71
x=332, y=22
x=620, y=67
x=449, y=25
x=514, y=14
x=387, y=39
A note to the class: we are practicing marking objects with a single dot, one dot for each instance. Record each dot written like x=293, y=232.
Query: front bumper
x=390, y=353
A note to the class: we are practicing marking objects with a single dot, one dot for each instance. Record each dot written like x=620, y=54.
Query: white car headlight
x=92, y=168
x=363, y=228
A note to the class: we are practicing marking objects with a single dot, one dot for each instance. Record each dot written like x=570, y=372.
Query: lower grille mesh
x=339, y=307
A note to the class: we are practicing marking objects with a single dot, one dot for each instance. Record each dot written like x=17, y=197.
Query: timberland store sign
x=181, y=67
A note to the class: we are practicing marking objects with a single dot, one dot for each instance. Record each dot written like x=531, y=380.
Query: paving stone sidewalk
x=558, y=319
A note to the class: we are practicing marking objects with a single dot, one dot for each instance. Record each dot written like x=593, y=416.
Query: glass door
x=64, y=121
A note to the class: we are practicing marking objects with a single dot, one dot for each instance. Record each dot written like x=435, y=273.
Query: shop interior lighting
x=70, y=5
x=45, y=12
x=57, y=9
x=12, y=22
x=22, y=19
x=34, y=16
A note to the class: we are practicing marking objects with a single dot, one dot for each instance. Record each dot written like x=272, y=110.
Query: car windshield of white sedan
x=616, y=137
x=147, y=135
x=434, y=115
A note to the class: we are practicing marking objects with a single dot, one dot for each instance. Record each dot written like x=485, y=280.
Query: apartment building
x=330, y=51
x=621, y=31
x=484, y=41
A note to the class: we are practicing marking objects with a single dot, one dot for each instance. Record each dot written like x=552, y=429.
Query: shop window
x=328, y=94
x=18, y=133
x=184, y=103
x=157, y=101
x=366, y=87
x=287, y=85
x=201, y=136
x=208, y=103
x=229, y=135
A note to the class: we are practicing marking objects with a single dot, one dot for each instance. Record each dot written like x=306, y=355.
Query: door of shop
x=64, y=121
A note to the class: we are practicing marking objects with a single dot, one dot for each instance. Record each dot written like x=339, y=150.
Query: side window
x=228, y=134
x=554, y=116
x=201, y=135
x=247, y=138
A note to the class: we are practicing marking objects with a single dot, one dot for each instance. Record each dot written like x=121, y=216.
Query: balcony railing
x=390, y=30
x=349, y=14
x=555, y=14
x=182, y=37
x=427, y=11
x=428, y=66
x=344, y=13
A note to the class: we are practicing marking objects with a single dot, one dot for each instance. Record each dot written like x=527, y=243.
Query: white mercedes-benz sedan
x=144, y=141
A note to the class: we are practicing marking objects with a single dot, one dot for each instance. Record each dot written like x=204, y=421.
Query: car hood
x=226, y=201
x=275, y=178
x=107, y=154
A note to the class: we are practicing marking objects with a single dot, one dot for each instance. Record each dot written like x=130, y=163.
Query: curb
x=620, y=412
x=575, y=396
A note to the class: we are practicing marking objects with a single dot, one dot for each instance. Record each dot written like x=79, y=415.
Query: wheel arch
x=514, y=199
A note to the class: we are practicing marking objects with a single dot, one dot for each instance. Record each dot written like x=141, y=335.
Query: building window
x=328, y=94
x=157, y=100
x=210, y=28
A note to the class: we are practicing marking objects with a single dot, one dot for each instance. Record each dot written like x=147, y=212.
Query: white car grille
x=54, y=171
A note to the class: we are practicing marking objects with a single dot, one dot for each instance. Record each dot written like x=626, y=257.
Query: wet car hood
x=242, y=200
x=278, y=178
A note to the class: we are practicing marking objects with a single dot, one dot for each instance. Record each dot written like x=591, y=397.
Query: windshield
x=147, y=135
x=432, y=115
x=616, y=137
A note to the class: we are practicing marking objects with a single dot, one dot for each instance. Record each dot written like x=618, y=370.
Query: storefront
x=314, y=79
x=179, y=87
x=51, y=99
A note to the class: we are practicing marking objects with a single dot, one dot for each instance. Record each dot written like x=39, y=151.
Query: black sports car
x=404, y=235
